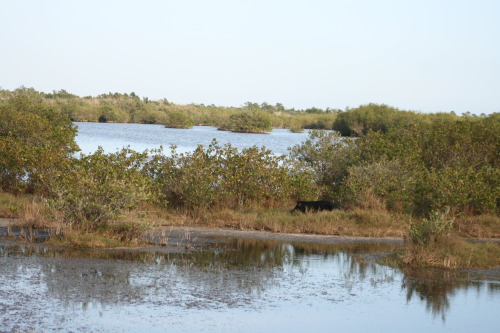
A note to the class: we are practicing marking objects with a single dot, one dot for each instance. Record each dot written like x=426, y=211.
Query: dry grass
x=109, y=235
x=452, y=252
x=357, y=222
x=12, y=206
x=482, y=226
x=370, y=221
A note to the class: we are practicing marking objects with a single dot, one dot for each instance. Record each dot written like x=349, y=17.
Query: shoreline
x=199, y=232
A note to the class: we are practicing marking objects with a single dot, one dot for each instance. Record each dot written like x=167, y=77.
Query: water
x=232, y=285
x=139, y=137
x=237, y=286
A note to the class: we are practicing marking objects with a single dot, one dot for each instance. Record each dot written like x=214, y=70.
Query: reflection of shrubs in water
x=435, y=287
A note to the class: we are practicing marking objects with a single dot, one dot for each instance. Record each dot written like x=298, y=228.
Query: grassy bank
x=426, y=244
x=452, y=252
x=435, y=242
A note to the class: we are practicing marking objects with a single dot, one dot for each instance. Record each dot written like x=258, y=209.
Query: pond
x=237, y=285
x=139, y=137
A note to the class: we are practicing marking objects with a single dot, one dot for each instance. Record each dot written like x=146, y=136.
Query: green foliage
x=223, y=177
x=466, y=189
x=328, y=156
x=118, y=107
x=34, y=139
x=111, y=113
x=430, y=230
x=414, y=167
x=371, y=117
x=296, y=127
x=178, y=119
x=452, y=163
x=254, y=121
x=407, y=161
x=98, y=187
x=389, y=181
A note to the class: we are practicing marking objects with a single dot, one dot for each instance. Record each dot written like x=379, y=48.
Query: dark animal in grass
x=315, y=206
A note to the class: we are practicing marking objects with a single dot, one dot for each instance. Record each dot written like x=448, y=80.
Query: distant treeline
x=250, y=117
x=130, y=108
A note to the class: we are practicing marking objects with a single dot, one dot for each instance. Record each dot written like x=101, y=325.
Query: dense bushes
x=98, y=187
x=178, y=119
x=415, y=167
x=223, y=177
x=374, y=117
x=38, y=155
x=253, y=121
x=34, y=139
x=327, y=156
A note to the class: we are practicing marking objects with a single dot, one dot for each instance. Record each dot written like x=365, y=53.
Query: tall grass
x=434, y=243
x=357, y=222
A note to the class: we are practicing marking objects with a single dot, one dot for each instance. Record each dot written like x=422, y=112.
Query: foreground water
x=237, y=286
x=144, y=136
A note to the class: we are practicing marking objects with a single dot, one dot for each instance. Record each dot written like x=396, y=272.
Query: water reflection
x=237, y=274
x=436, y=287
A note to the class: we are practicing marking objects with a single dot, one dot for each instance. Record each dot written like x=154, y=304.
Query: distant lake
x=139, y=137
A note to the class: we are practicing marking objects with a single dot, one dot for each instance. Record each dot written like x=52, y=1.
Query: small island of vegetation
x=432, y=179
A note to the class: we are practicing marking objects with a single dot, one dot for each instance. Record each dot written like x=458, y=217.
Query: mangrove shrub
x=224, y=177
x=99, y=187
x=34, y=139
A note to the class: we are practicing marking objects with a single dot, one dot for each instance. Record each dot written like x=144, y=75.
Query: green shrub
x=178, y=119
x=371, y=117
x=223, y=177
x=34, y=139
x=112, y=113
x=450, y=163
x=98, y=187
x=465, y=190
x=253, y=121
x=430, y=230
x=328, y=157
x=389, y=181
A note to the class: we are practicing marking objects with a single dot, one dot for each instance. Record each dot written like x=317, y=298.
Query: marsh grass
x=434, y=242
x=452, y=252
x=356, y=222
x=107, y=235
x=374, y=221
x=34, y=219
x=11, y=206
x=481, y=226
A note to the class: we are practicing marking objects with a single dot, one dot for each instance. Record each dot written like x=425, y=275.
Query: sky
x=420, y=55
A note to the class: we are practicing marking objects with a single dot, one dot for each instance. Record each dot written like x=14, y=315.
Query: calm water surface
x=237, y=286
x=144, y=136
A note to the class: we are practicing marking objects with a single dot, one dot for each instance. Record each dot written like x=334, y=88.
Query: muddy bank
x=194, y=236
x=198, y=236
x=200, y=233
x=177, y=239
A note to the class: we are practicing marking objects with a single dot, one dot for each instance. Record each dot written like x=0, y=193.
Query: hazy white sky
x=423, y=55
